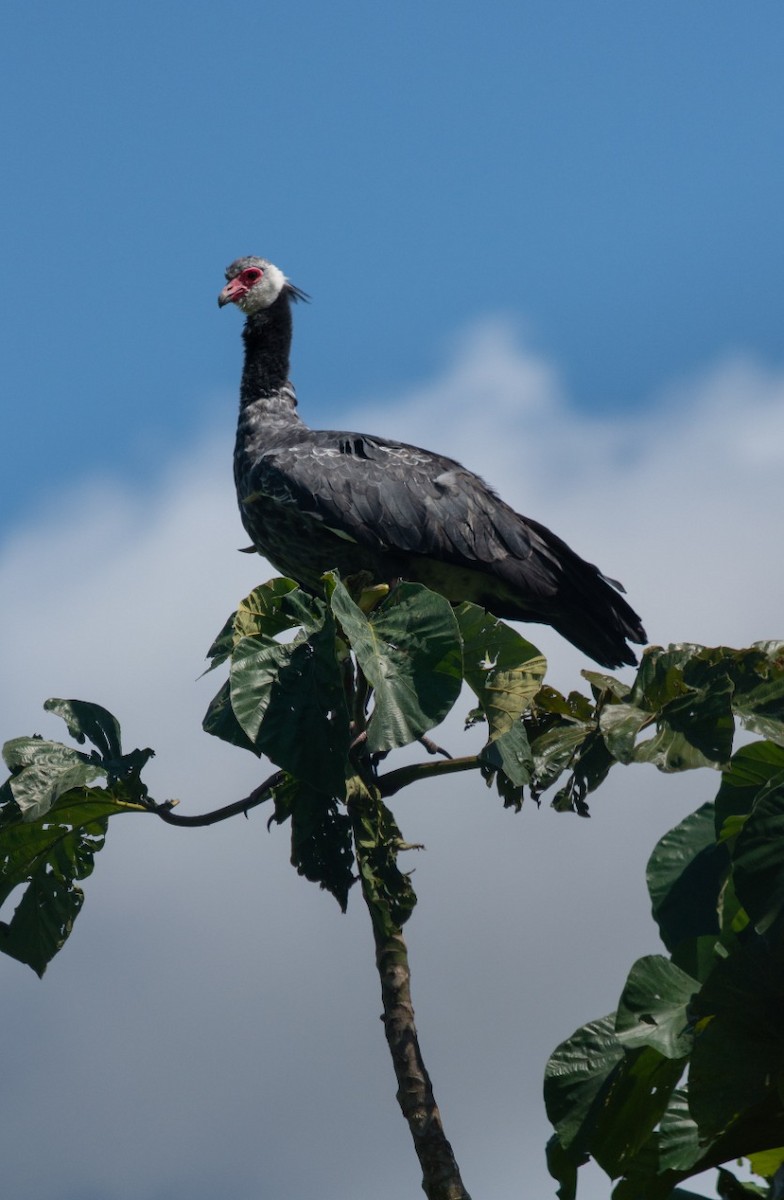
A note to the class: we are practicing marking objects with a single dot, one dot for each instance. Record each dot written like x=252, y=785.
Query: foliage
x=688, y=1072
x=325, y=704
x=53, y=822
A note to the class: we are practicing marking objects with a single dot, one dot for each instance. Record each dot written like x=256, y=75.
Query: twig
x=257, y=796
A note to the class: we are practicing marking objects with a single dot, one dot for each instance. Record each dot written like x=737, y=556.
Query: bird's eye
x=252, y=275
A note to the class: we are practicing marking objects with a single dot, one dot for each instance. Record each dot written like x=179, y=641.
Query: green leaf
x=43, y=771
x=377, y=839
x=555, y=750
x=220, y=721
x=685, y=874
x=761, y=708
x=620, y=725
x=42, y=921
x=256, y=664
x=91, y=722
x=690, y=689
x=666, y=1157
x=321, y=839
x=758, y=857
x=679, y=1142
x=638, y=1094
x=563, y=1165
x=576, y=1076
x=305, y=727
x=410, y=652
x=262, y=613
x=737, y=1065
x=507, y=759
x=289, y=702
x=46, y=857
x=653, y=1009
x=503, y=670
x=669, y=751
x=767, y=1162
x=605, y=1101
x=748, y=772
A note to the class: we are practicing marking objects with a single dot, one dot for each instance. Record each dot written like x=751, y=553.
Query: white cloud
x=213, y=1023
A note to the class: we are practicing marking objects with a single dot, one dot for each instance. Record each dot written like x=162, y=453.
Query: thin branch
x=387, y=785
x=393, y=781
x=257, y=796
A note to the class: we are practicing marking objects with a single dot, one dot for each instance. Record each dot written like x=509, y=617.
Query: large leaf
x=758, y=857
x=563, y=1163
x=46, y=857
x=410, y=652
x=503, y=670
x=555, y=750
x=576, y=1076
x=221, y=722
x=289, y=701
x=685, y=874
x=653, y=1009
x=668, y=1156
x=761, y=708
x=737, y=1065
x=620, y=725
x=508, y=761
x=679, y=1143
x=669, y=750
x=690, y=690
x=751, y=769
x=43, y=771
x=603, y=1100
x=639, y=1093
x=305, y=729
x=256, y=663
x=91, y=722
x=321, y=839
x=262, y=613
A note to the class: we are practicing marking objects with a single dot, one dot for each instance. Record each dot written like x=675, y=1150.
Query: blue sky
x=611, y=174
x=545, y=238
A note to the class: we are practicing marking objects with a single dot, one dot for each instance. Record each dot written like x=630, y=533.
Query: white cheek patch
x=265, y=292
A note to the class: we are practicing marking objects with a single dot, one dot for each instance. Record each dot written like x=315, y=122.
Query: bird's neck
x=268, y=403
x=267, y=337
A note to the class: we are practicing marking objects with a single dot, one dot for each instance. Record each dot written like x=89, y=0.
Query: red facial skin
x=236, y=288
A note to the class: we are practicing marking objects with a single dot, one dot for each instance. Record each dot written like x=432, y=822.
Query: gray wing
x=387, y=495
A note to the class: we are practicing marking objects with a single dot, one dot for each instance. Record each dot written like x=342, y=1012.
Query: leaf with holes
x=409, y=650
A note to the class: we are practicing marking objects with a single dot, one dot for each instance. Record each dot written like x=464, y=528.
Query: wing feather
x=389, y=495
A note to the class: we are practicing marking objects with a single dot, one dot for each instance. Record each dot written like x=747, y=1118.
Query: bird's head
x=254, y=284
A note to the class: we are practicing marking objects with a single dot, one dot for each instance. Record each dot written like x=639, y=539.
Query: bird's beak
x=232, y=292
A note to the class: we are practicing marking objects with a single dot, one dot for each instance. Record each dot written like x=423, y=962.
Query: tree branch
x=440, y=1173
x=387, y=785
x=393, y=781
x=257, y=796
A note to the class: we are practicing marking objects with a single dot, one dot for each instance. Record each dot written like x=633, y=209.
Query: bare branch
x=263, y=792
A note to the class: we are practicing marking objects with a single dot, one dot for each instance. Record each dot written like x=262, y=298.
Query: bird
x=314, y=501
